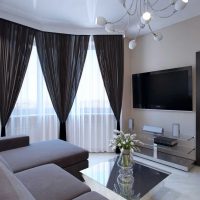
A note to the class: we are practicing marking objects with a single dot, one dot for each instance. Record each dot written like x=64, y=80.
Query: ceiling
x=78, y=16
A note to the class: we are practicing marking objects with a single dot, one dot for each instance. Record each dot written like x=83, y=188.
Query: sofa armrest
x=7, y=143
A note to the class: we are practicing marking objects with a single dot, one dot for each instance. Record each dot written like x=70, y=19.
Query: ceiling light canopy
x=142, y=11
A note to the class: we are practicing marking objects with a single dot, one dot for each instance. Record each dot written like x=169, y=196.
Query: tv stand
x=181, y=156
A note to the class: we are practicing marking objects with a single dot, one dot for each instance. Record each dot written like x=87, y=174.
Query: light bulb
x=146, y=17
x=180, y=4
x=132, y=44
x=158, y=37
x=101, y=21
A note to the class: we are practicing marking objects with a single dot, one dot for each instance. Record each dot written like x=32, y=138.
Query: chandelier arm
x=130, y=7
x=154, y=3
x=174, y=11
x=123, y=16
x=136, y=5
x=140, y=8
x=138, y=33
x=160, y=10
x=151, y=29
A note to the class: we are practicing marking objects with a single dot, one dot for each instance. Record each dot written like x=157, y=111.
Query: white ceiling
x=78, y=16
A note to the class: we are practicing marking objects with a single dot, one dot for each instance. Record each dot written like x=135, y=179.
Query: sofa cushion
x=10, y=187
x=59, y=152
x=51, y=182
x=2, y=160
x=91, y=196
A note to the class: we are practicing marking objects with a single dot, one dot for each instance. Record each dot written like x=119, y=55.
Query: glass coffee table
x=144, y=178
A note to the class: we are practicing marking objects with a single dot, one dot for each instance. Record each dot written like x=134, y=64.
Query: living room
x=30, y=146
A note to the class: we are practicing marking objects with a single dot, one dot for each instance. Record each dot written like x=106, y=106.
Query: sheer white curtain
x=91, y=121
x=33, y=114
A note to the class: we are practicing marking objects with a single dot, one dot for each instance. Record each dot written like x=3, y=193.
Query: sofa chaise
x=38, y=171
x=21, y=155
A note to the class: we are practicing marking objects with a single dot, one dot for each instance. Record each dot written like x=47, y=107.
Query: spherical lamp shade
x=109, y=28
x=132, y=44
x=101, y=21
x=146, y=18
x=158, y=37
x=180, y=4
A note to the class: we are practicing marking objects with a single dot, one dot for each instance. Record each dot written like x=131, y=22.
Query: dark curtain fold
x=16, y=43
x=62, y=58
x=110, y=54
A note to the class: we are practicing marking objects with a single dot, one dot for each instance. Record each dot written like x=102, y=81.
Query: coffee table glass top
x=144, y=178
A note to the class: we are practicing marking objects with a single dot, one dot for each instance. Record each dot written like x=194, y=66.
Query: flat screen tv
x=169, y=89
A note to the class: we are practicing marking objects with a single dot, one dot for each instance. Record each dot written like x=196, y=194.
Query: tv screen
x=169, y=89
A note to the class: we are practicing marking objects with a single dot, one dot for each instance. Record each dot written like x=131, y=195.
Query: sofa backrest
x=7, y=143
x=10, y=187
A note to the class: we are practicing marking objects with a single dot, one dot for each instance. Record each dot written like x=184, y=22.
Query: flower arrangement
x=125, y=141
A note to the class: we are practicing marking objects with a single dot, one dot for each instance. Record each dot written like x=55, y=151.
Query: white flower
x=124, y=141
x=127, y=135
x=113, y=148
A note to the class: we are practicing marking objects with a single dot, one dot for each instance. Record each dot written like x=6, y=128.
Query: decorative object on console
x=153, y=129
x=176, y=130
x=131, y=125
x=142, y=12
x=165, y=141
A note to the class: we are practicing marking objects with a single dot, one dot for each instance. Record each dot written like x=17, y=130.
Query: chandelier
x=143, y=12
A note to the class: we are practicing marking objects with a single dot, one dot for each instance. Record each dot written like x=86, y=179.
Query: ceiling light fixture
x=142, y=11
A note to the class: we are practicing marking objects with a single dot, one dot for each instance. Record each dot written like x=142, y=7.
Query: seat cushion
x=59, y=152
x=91, y=196
x=51, y=182
x=10, y=187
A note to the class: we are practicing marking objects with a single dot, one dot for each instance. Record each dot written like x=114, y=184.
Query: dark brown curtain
x=62, y=59
x=15, y=48
x=110, y=54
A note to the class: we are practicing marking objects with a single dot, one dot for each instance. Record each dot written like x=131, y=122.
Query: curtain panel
x=62, y=59
x=91, y=120
x=33, y=113
x=15, y=48
x=110, y=54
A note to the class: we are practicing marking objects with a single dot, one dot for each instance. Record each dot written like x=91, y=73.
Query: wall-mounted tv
x=169, y=89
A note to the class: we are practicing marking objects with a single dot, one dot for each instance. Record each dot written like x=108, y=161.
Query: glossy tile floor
x=179, y=185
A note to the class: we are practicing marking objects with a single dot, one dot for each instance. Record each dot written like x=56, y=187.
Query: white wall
x=177, y=49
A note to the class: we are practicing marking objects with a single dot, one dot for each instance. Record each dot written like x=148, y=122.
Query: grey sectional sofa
x=21, y=155
x=38, y=171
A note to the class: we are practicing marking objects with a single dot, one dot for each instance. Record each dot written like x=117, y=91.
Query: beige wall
x=126, y=102
x=177, y=49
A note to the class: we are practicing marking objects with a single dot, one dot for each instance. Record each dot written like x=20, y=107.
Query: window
x=91, y=95
x=33, y=113
x=33, y=97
